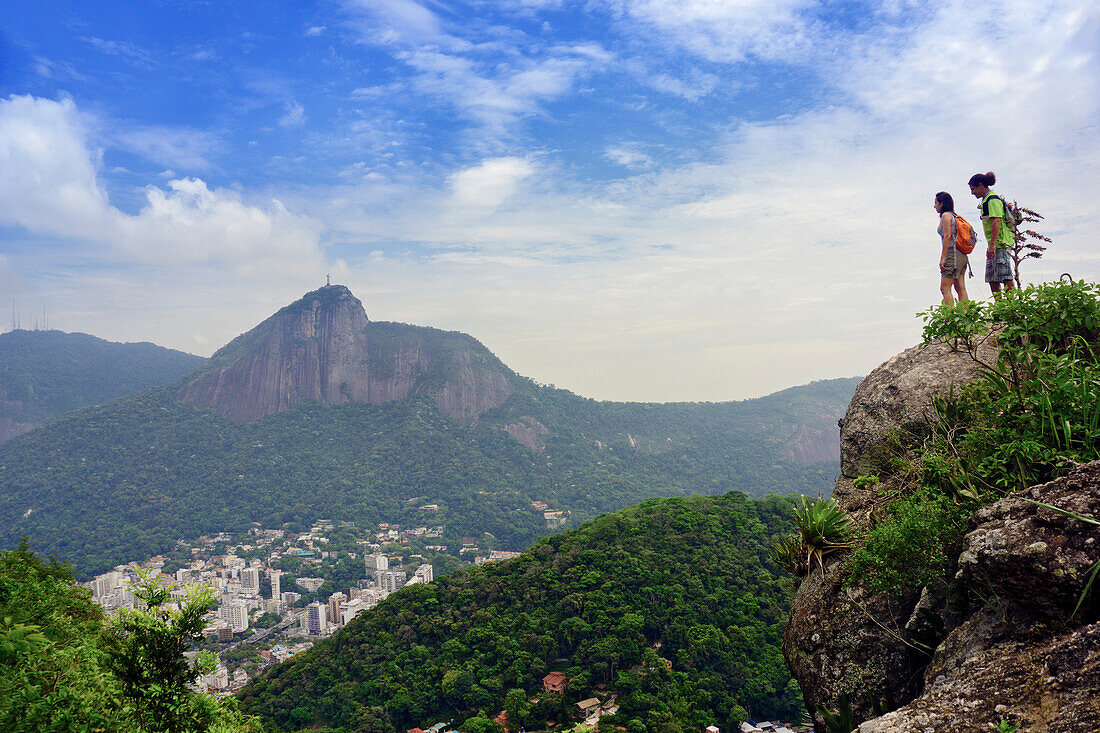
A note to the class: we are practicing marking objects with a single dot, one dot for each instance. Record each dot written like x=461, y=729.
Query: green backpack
x=1011, y=216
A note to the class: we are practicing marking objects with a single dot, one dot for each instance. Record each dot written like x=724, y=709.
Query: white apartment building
x=390, y=580
x=310, y=584
x=376, y=562
x=250, y=581
x=216, y=680
x=316, y=617
x=276, y=583
x=235, y=613
x=425, y=573
x=352, y=609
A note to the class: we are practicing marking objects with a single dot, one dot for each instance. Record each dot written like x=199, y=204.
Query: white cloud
x=315, y=30
x=295, y=115
x=49, y=183
x=628, y=156
x=131, y=51
x=490, y=183
x=495, y=79
x=497, y=93
x=51, y=187
x=188, y=149
x=723, y=30
x=397, y=21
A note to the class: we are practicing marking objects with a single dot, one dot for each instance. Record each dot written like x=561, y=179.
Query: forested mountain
x=47, y=374
x=319, y=412
x=685, y=581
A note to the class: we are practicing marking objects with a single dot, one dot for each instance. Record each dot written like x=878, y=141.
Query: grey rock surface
x=893, y=404
x=862, y=647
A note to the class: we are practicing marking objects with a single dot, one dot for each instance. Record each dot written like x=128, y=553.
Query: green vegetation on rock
x=674, y=604
x=1032, y=416
x=47, y=374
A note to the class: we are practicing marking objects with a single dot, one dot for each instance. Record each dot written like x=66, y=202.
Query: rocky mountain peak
x=323, y=348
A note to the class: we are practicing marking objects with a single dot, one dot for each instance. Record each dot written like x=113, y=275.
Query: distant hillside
x=320, y=413
x=47, y=374
x=690, y=581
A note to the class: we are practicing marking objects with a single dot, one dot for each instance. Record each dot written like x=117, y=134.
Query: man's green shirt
x=992, y=207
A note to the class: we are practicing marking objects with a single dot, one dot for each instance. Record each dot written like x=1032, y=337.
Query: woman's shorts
x=954, y=264
x=999, y=269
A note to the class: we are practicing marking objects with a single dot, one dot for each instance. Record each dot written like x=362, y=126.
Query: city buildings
x=389, y=581
x=235, y=613
x=275, y=576
x=425, y=573
x=334, y=603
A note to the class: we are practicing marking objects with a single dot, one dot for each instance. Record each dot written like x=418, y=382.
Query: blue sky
x=633, y=199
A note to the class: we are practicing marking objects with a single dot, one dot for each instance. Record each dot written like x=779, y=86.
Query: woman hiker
x=952, y=262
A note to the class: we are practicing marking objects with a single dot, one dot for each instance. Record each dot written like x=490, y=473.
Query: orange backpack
x=965, y=236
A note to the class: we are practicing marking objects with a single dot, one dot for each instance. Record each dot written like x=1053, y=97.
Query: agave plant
x=843, y=720
x=824, y=528
x=788, y=554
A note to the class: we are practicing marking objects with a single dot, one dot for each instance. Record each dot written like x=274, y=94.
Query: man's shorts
x=999, y=269
x=954, y=264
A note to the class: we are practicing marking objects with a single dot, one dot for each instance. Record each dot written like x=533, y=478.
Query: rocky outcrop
x=892, y=406
x=996, y=647
x=1020, y=657
x=814, y=442
x=10, y=412
x=324, y=349
x=11, y=428
x=529, y=432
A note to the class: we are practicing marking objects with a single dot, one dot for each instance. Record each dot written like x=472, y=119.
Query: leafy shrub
x=864, y=482
x=914, y=544
x=59, y=673
x=787, y=553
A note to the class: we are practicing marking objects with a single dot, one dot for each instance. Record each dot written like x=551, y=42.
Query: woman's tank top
x=939, y=229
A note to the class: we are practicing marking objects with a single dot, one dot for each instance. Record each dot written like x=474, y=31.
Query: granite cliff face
x=324, y=349
x=996, y=643
x=11, y=412
x=11, y=428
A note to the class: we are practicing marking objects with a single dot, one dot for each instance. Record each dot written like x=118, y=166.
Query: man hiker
x=998, y=235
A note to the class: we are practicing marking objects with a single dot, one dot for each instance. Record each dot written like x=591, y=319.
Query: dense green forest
x=127, y=480
x=47, y=374
x=687, y=580
x=66, y=668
